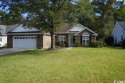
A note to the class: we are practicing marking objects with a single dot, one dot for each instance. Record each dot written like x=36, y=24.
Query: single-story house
x=20, y=36
x=119, y=32
x=73, y=33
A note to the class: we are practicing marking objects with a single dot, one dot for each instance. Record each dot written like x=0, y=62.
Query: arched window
x=86, y=38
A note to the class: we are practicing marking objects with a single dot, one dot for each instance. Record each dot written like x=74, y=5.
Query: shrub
x=58, y=43
x=123, y=43
x=66, y=44
x=77, y=43
x=96, y=44
x=109, y=40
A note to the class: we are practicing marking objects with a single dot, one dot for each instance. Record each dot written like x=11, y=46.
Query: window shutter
x=81, y=40
x=90, y=40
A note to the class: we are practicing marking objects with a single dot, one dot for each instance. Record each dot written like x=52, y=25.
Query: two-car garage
x=29, y=41
x=24, y=42
x=20, y=36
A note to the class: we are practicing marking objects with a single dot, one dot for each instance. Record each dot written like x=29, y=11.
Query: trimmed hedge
x=96, y=44
x=66, y=43
x=62, y=45
x=58, y=43
x=77, y=43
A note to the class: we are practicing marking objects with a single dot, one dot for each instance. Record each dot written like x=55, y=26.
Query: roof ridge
x=8, y=29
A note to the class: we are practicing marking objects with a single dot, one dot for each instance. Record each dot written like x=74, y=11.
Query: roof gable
x=77, y=28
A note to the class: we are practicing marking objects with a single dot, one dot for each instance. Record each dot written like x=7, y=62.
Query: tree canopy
x=48, y=15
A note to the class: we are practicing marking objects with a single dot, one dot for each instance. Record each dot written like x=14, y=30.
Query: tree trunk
x=52, y=41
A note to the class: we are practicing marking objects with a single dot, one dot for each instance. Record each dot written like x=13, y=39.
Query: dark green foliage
x=109, y=40
x=11, y=11
x=58, y=43
x=96, y=44
x=123, y=43
x=66, y=43
x=61, y=45
x=77, y=43
x=104, y=20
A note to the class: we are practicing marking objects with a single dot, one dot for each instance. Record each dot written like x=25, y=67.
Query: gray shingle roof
x=122, y=24
x=77, y=28
x=6, y=28
x=11, y=27
x=2, y=29
x=64, y=28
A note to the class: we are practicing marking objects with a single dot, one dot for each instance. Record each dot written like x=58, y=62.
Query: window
x=15, y=38
x=20, y=37
x=0, y=39
x=61, y=39
x=116, y=40
x=122, y=38
x=85, y=38
x=34, y=37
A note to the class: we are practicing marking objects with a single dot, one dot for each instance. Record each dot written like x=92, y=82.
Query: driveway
x=11, y=50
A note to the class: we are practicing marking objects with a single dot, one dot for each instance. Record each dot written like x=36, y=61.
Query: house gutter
x=23, y=33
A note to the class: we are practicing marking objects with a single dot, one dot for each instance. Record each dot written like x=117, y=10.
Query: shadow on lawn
x=37, y=52
x=113, y=47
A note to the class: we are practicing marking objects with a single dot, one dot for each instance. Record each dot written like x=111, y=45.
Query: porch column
x=69, y=42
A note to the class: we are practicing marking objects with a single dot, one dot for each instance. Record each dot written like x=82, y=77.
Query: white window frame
x=86, y=38
x=61, y=39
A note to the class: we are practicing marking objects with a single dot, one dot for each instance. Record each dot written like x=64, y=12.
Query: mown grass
x=76, y=65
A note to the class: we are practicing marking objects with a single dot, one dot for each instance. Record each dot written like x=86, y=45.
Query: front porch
x=84, y=40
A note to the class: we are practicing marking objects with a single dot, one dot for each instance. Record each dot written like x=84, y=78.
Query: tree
x=11, y=11
x=104, y=21
x=45, y=15
x=119, y=13
x=84, y=13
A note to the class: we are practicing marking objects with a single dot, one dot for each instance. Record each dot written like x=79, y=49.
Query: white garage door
x=24, y=41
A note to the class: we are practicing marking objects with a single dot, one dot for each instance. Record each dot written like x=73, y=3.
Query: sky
x=121, y=0
x=74, y=0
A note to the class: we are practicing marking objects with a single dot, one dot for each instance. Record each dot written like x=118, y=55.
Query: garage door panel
x=24, y=42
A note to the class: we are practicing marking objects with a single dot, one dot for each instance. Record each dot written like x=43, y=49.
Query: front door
x=73, y=40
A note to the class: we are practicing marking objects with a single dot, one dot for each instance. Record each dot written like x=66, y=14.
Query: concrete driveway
x=11, y=50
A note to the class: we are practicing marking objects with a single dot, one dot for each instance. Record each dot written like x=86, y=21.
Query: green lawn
x=76, y=65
